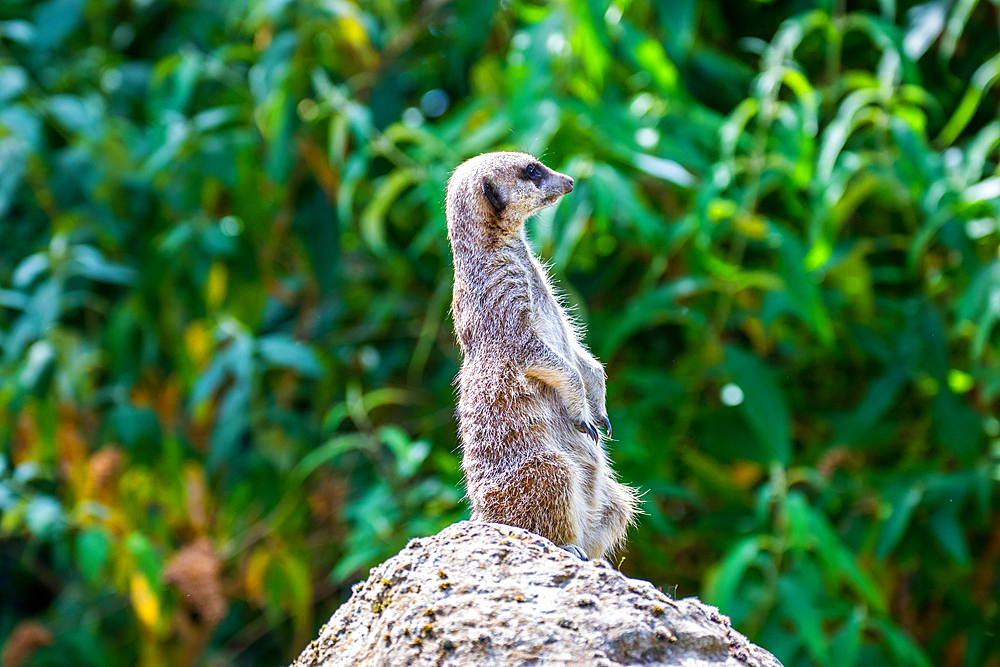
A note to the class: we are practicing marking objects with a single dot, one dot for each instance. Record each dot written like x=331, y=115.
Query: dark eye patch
x=533, y=172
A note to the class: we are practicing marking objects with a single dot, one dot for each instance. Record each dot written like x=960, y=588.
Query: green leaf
x=846, y=644
x=232, y=423
x=657, y=306
x=90, y=263
x=54, y=21
x=979, y=304
x=327, y=452
x=723, y=581
x=956, y=425
x=298, y=591
x=956, y=24
x=649, y=56
x=18, y=31
x=283, y=351
x=13, y=82
x=802, y=290
x=373, y=223
x=800, y=608
x=79, y=115
x=764, y=406
x=682, y=16
x=41, y=359
x=983, y=78
x=409, y=454
x=924, y=25
x=135, y=426
x=30, y=269
x=881, y=396
x=899, y=520
x=44, y=516
x=949, y=534
x=147, y=560
x=816, y=532
x=735, y=126
x=93, y=549
x=854, y=111
x=13, y=159
x=902, y=648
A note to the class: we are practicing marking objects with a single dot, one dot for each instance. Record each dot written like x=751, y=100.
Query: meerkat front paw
x=586, y=427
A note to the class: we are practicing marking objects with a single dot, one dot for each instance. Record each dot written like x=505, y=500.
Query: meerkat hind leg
x=536, y=496
x=617, y=514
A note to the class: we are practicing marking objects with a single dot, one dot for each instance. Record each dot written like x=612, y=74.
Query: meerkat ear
x=493, y=197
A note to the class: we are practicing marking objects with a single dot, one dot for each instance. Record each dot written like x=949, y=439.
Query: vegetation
x=225, y=351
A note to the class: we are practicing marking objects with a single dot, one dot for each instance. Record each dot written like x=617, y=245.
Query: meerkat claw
x=588, y=428
x=575, y=550
x=607, y=425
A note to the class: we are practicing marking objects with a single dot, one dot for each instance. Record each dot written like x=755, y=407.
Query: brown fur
x=530, y=395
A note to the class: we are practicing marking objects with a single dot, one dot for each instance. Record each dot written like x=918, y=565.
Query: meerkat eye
x=532, y=172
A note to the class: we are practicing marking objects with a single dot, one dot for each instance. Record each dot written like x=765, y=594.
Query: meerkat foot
x=575, y=550
x=588, y=428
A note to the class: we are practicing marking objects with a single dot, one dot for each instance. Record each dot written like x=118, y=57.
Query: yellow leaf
x=746, y=473
x=196, y=496
x=754, y=329
x=144, y=600
x=751, y=226
x=355, y=35
x=198, y=342
x=215, y=289
x=353, y=32
x=256, y=570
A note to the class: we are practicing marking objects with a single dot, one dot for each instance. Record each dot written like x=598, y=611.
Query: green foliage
x=225, y=352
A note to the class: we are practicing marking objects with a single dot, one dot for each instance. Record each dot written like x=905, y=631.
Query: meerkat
x=531, y=397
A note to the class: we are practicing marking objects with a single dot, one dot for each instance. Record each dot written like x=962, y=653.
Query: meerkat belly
x=550, y=326
x=551, y=329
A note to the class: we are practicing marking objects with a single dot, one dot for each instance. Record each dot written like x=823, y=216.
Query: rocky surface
x=491, y=595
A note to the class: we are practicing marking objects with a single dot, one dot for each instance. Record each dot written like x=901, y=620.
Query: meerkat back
x=531, y=397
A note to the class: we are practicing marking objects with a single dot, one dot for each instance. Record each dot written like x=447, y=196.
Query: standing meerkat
x=531, y=397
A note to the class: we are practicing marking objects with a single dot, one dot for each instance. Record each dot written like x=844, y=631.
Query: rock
x=485, y=594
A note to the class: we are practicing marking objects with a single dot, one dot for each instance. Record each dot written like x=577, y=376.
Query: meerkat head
x=507, y=187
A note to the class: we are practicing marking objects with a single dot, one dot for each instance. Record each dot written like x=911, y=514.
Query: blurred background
x=226, y=358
